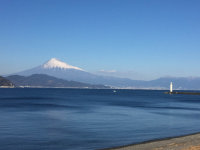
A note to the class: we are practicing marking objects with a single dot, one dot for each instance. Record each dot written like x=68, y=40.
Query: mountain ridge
x=5, y=82
x=42, y=80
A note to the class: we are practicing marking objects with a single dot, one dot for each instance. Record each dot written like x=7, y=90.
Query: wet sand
x=189, y=142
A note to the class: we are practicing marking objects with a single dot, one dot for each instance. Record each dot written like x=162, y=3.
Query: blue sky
x=140, y=39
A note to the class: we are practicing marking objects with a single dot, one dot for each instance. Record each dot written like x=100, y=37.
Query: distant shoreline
x=109, y=88
x=41, y=87
x=184, y=142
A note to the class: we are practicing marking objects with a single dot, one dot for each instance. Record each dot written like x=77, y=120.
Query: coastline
x=185, y=142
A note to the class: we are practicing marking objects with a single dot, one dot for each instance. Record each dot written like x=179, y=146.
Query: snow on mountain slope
x=55, y=63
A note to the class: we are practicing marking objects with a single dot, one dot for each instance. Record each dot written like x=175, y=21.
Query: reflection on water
x=92, y=119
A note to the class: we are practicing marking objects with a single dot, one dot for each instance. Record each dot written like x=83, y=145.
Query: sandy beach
x=189, y=142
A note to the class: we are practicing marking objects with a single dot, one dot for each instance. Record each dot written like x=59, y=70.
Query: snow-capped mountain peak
x=55, y=63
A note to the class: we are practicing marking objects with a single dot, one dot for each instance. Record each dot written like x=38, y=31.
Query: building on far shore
x=7, y=86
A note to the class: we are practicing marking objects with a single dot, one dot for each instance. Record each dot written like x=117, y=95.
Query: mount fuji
x=58, y=69
x=62, y=70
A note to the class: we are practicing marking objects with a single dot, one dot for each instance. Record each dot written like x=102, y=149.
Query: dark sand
x=189, y=142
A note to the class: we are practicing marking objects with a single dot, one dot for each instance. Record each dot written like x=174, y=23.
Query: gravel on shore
x=189, y=142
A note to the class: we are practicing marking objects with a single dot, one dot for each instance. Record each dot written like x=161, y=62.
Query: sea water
x=78, y=119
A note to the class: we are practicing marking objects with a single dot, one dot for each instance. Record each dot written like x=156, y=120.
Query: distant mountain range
x=4, y=82
x=40, y=80
x=62, y=70
x=179, y=83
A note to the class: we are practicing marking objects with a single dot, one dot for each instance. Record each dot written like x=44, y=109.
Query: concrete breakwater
x=186, y=93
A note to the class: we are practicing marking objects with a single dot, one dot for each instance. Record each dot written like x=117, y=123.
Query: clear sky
x=140, y=39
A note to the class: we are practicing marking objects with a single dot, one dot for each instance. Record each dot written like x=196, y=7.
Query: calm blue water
x=62, y=119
